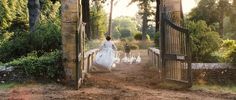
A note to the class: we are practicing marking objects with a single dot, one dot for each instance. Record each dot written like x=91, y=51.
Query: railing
x=86, y=62
x=155, y=58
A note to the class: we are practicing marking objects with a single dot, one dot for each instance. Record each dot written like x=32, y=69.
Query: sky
x=121, y=7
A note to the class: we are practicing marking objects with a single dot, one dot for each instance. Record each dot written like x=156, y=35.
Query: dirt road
x=125, y=82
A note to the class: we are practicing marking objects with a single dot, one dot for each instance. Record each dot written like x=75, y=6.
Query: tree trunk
x=145, y=22
x=157, y=18
x=86, y=17
x=34, y=13
x=221, y=26
x=110, y=19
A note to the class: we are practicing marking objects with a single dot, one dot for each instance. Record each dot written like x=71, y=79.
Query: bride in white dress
x=106, y=55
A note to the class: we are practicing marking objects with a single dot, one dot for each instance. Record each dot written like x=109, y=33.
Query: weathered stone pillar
x=173, y=37
x=69, y=31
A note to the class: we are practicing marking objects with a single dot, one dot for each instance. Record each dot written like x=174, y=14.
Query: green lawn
x=216, y=88
x=7, y=85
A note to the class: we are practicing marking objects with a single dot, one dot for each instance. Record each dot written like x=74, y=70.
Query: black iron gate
x=175, y=51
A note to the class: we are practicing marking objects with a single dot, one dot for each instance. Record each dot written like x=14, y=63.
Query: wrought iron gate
x=175, y=51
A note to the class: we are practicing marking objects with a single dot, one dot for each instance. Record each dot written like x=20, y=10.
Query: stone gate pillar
x=69, y=31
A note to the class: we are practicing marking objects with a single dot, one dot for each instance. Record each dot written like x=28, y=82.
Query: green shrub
x=232, y=56
x=47, y=66
x=148, y=37
x=134, y=46
x=120, y=46
x=138, y=36
x=226, y=49
x=157, y=38
x=46, y=38
x=145, y=44
x=14, y=48
x=204, y=41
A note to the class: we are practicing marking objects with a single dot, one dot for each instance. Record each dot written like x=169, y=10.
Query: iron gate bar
x=176, y=27
x=175, y=51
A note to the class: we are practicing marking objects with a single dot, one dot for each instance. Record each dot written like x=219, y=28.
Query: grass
x=5, y=86
x=216, y=88
x=1, y=64
x=172, y=86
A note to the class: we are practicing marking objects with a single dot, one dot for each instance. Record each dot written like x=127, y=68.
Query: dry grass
x=215, y=88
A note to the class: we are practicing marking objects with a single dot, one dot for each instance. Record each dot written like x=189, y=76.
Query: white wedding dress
x=106, y=56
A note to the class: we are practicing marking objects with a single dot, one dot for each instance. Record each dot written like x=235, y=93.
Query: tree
x=98, y=19
x=86, y=17
x=34, y=7
x=204, y=41
x=223, y=9
x=125, y=26
x=212, y=12
x=145, y=11
x=206, y=10
x=158, y=2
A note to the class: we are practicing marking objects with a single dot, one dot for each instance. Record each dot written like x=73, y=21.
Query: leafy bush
x=232, y=56
x=228, y=51
x=204, y=41
x=134, y=46
x=47, y=66
x=46, y=38
x=15, y=41
x=157, y=38
x=148, y=37
x=14, y=48
x=138, y=36
x=92, y=44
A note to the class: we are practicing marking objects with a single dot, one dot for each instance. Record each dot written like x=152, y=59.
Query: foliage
x=212, y=11
x=98, y=21
x=232, y=56
x=92, y=44
x=13, y=17
x=133, y=46
x=229, y=28
x=47, y=66
x=45, y=38
x=157, y=38
x=204, y=41
x=138, y=36
x=148, y=37
x=151, y=31
x=226, y=50
x=124, y=27
x=208, y=10
x=145, y=11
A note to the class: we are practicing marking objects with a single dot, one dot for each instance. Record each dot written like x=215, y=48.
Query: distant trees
x=124, y=27
x=145, y=11
x=212, y=11
x=98, y=20
x=219, y=15
x=86, y=17
x=16, y=40
x=13, y=17
x=204, y=41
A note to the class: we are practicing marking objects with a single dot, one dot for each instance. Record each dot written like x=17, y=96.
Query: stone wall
x=216, y=73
